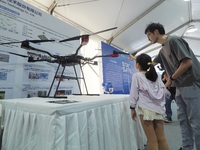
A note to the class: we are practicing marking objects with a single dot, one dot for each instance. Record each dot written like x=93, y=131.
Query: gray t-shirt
x=173, y=51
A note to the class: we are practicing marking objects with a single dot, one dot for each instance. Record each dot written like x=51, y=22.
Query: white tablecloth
x=93, y=123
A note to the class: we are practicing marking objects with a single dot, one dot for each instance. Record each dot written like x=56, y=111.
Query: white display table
x=93, y=123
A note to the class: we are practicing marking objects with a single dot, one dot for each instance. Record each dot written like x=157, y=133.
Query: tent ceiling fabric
x=130, y=16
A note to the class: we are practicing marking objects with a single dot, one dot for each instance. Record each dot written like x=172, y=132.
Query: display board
x=20, y=21
x=117, y=71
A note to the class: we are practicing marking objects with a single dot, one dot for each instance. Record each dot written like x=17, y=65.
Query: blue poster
x=117, y=71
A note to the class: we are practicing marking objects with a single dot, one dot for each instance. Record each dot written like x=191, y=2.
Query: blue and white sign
x=117, y=71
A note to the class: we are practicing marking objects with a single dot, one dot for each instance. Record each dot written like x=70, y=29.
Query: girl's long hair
x=145, y=63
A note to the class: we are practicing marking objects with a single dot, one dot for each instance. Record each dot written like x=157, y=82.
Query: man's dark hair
x=153, y=26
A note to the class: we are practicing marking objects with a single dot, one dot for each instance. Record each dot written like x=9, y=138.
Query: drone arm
x=78, y=49
x=26, y=45
x=88, y=60
x=31, y=59
x=110, y=55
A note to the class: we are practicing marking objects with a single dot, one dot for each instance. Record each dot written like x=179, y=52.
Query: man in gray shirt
x=183, y=68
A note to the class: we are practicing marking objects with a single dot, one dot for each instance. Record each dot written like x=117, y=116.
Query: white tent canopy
x=130, y=17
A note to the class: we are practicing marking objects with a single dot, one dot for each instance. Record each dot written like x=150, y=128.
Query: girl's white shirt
x=147, y=94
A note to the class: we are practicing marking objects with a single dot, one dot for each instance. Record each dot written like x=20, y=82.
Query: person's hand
x=168, y=83
x=165, y=78
x=133, y=114
x=131, y=57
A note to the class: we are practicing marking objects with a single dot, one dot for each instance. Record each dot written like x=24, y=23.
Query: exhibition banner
x=20, y=21
x=117, y=71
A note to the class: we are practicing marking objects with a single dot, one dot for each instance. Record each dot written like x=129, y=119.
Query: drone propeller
x=14, y=53
x=19, y=55
x=114, y=54
x=109, y=55
x=117, y=52
x=80, y=36
x=32, y=41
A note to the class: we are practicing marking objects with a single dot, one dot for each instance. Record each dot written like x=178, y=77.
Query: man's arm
x=185, y=64
x=131, y=57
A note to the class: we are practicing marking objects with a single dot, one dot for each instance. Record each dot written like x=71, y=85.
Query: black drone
x=68, y=60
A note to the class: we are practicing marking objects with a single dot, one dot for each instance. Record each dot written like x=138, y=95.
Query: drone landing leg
x=83, y=79
x=59, y=81
x=77, y=79
x=53, y=80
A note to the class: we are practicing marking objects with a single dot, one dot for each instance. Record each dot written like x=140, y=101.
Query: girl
x=148, y=92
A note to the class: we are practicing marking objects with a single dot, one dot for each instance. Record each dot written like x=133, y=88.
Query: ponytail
x=145, y=63
x=151, y=73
